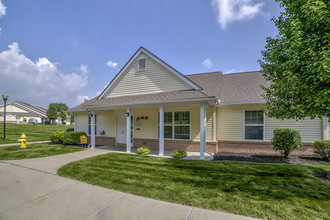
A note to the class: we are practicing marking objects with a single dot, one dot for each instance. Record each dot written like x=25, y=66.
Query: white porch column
x=161, y=131
x=128, y=131
x=203, y=131
x=93, y=130
x=75, y=122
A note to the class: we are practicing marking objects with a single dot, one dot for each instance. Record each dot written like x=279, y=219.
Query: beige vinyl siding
x=106, y=121
x=209, y=124
x=230, y=124
x=153, y=80
x=81, y=121
x=309, y=130
x=11, y=108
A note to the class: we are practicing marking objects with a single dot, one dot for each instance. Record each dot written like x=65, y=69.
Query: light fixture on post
x=5, y=97
x=127, y=114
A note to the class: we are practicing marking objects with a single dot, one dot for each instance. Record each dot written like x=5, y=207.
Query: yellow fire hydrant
x=23, y=141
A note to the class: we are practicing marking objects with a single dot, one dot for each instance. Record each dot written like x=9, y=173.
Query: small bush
x=322, y=148
x=57, y=137
x=178, y=154
x=72, y=137
x=143, y=150
x=286, y=140
x=70, y=129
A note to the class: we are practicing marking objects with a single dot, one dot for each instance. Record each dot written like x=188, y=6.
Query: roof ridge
x=204, y=73
x=229, y=74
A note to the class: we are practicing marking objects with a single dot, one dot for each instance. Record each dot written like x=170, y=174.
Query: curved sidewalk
x=31, y=189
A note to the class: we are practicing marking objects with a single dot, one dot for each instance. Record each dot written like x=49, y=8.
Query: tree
x=296, y=61
x=55, y=110
x=52, y=112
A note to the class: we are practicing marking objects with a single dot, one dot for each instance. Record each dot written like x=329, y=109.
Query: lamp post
x=5, y=96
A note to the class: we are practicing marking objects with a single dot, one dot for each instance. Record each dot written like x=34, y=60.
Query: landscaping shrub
x=143, y=150
x=322, y=148
x=72, y=137
x=70, y=129
x=286, y=140
x=57, y=137
x=178, y=154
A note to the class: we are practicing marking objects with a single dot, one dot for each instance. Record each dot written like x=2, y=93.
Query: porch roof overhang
x=153, y=104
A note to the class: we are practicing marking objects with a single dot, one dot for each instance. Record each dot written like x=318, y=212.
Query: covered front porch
x=163, y=127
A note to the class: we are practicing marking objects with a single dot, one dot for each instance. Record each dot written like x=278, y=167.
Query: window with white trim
x=90, y=125
x=176, y=125
x=142, y=64
x=254, y=124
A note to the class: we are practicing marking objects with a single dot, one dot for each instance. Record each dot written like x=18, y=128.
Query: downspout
x=324, y=128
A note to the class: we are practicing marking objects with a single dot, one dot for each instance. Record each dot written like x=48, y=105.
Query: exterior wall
x=81, y=121
x=230, y=125
x=149, y=128
x=257, y=147
x=11, y=108
x=154, y=79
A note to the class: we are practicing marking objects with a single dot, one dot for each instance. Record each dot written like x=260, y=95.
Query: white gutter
x=246, y=103
x=154, y=102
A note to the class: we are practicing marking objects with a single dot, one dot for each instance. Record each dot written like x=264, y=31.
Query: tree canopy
x=296, y=61
x=57, y=109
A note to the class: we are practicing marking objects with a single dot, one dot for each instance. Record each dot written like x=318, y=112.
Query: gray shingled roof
x=235, y=88
x=32, y=110
x=238, y=88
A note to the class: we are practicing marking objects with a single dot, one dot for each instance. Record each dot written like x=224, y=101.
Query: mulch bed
x=263, y=158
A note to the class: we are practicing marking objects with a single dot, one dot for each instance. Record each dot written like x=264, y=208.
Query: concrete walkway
x=31, y=189
x=16, y=144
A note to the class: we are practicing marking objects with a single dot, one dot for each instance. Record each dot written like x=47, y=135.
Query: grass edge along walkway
x=275, y=191
x=13, y=152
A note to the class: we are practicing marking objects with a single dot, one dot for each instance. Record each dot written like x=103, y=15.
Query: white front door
x=121, y=128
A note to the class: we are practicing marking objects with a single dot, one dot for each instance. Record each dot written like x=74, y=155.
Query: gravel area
x=261, y=158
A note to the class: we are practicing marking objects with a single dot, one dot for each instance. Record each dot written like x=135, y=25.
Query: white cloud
x=207, y=63
x=230, y=11
x=111, y=64
x=83, y=69
x=2, y=9
x=39, y=82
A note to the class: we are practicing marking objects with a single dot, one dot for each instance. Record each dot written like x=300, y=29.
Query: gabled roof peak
x=172, y=70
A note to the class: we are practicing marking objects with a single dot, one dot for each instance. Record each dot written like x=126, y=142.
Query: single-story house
x=150, y=103
x=22, y=113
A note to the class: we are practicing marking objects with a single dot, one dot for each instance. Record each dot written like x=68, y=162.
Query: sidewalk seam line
x=192, y=208
x=26, y=167
x=98, y=211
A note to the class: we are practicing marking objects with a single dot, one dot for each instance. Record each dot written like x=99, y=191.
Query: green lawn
x=274, y=191
x=34, y=151
x=33, y=132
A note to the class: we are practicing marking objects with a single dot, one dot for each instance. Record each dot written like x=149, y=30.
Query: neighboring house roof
x=31, y=110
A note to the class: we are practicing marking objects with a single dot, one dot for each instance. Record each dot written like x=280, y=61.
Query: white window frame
x=89, y=124
x=264, y=125
x=173, y=125
x=138, y=66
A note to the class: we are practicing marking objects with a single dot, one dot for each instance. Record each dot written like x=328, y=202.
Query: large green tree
x=55, y=110
x=296, y=61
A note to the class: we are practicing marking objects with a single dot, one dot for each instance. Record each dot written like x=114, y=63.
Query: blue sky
x=63, y=51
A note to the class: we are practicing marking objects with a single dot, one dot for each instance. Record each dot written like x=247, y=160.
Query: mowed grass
x=274, y=191
x=35, y=151
x=33, y=132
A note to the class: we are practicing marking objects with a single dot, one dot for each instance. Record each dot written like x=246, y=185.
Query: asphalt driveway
x=31, y=189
